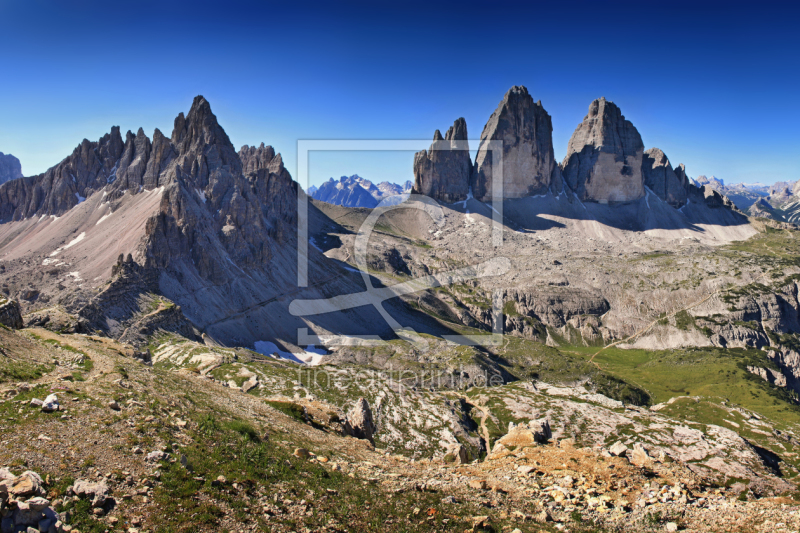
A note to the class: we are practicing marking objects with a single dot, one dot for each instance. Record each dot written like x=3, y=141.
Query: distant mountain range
x=780, y=201
x=355, y=191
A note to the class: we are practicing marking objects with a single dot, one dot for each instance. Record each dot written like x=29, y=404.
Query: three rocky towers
x=606, y=161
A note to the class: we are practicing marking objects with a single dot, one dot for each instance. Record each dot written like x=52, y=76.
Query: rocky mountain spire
x=10, y=168
x=133, y=163
x=660, y=178
x=604, y=156
x=444, y=171
x=528, y=160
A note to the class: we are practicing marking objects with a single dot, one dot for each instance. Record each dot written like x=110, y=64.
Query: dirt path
x=484, y=431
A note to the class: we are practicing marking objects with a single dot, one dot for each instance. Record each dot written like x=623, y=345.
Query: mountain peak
x=604, y=156
x=10, y=168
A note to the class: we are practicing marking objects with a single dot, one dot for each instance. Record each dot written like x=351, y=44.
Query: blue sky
x=713, y=85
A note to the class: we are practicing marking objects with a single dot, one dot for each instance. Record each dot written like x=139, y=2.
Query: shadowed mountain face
x=444, y=172
x=119, y=223
x=10, y=168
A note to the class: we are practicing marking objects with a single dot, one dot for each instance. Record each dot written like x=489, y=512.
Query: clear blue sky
x=715, y=86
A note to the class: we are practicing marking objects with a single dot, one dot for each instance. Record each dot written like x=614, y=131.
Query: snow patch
x=103, y=218
x=80, y=198
x=76, y=240
x=313, y=243
x=200, y=193
x=311, y=356
x=113, y=175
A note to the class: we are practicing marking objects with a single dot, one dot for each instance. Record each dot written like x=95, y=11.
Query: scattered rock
x=301, y=453
x=480, y=522
x=618, y=449
x=50, y=404
x=156, y=456
x=97, y=492
x=27, y=484
x=479, y=484
x=638, y=456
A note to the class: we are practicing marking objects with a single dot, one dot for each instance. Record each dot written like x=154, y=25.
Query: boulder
x=638, y=456
x=97, y=492
x=38, y=503
x=359, y=422
x=10, y=314
x=250, y=384
x=460, y=454
x=156, y=456
x=604, y=157
x=25, y=485
x=618, y=449
x=301, y=453
x=444, y=171
x=50, y=404
x=526, y=131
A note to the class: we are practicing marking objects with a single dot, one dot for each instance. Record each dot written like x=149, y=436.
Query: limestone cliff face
x=604, y=157
x=444, y=171
x=660, y=178
x=528, y=160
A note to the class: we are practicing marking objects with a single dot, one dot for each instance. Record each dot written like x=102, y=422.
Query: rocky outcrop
x=604, y=157
x=712, y=198
x=761, y=209
x=526, y=131
x=262, y=157
x=10, y=314
x=769, y=375
x=10, y=168
x=660, y=178
x=444, y=172
x=528, y=433
x=557, y=306
x=359, y=423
